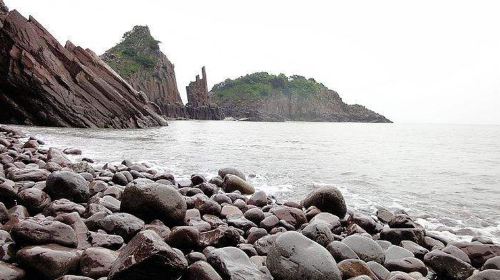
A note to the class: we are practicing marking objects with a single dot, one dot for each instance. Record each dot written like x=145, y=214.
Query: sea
x=446, y=176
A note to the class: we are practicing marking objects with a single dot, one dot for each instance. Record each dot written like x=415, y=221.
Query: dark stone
x=154, y=201
x=295, y=257
x=479, y=253
x=270, y=222
x=407, y=265
x=327, y=199
x=366, y=249
x=184, y=237
x=255, y=215
x=258, y=199
x=234, y=183
x=122, y=224
x=331, y=220
x=69, y=185
x=220, y=237
x=340, y=251
x=97, y=262
x=447, y=265
x=416, y=249
x=197, y=179
x=293, y=216
x=354, y=268
x=146, y=257
x=402, y=221
x=493, y=263
x=201, y=270
x=8, y=271
x=49, y=261
x=35, y=199
x=489, y=274
x=319, y=232
x=255, y=234
x=396, y=235
x=233, y=171
x=233, y=263
x=42, y=231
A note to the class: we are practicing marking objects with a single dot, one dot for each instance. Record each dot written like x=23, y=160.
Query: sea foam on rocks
x=66, y=220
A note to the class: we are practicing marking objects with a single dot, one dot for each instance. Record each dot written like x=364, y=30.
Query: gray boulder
x=365, y=248
x=327, y=199
x=69, y=185
x=233, y=263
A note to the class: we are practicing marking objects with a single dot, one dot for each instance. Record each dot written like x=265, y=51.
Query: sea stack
x=199, y=105
x=44, y=83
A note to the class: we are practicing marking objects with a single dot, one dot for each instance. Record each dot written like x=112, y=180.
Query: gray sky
x=413, y=61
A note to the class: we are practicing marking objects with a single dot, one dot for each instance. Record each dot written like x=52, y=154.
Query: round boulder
x=69, y=185
x=295, y=257
x=365, y=248
x=327, y=199
x=152, y=201
x=234, y=183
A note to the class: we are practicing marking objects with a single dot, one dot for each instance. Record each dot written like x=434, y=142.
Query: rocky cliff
x=265, y=97
x=199, y=105
x=44, y=83
x=139, y=60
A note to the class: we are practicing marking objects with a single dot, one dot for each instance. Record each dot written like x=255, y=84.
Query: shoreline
x=212, y=230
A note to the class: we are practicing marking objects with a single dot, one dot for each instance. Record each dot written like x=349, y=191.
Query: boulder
x=233, y=263
x=69, y=185
x=10, y=272
x=258, y=199
x=154, y=201
x=319, y=232
x=493, y=263
x=28, y=174
x=96, y=262
x=408, y=265
x=232, y=171
x=146, y=257
x=447, y=265
x=295, y=257
x=327, y=199
x=354, y=268
x=234, y=183
x=366, y=249
x=49, y=261
x=201, y=270
x=340, y=251
x=42, y=231
x=184, y=237
x=122, y=224
x=396, y=235
x=488, y=274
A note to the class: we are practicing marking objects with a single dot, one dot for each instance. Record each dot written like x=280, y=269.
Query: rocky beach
x=62, y=219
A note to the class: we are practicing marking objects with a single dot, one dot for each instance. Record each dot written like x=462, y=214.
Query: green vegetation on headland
x=262, y=84
x=138, y=51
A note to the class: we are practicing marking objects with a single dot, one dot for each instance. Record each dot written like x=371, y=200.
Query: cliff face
x=265, y=97
x=44, y=83
x=199, y=106
x=139, y=60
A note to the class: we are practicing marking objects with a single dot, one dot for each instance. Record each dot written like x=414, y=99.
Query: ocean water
x=446, y=175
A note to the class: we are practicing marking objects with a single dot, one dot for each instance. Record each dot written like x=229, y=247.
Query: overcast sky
x=413, y=61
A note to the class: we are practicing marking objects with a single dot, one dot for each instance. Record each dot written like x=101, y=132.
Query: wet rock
x=61, y=206
x=447, y=265
x=154, y=201
x=147, y=256
x=493, y=263
x=69, y=185
x=42, y=231
x=255, y=215
x=407, y=265
x=231, y=211
x=396, y=253
x=35, y=199
x=366, y=249
x=432, y=243
x=220, y=237
x=340, y=251
x=197, y=179
x=109, y=241
x=293, y=216
x=479, y=253
x=233, y=171
x=56, y=156
x=258, y=199
x=354, y=268
x=49, y=261
x=120, y=178
x=233, y=263
x=76, y=223
x=416, y=249
x=97, y=262
x=402, y=221
x=263, y=245
x=270, y=222
x=201, y=270
x=255, y=234
x=10, y=272
x=365, y=222
x=380, y=271
x=122, y=224
x=159, y=227
x=184, y=237
x=35, y=175
x=240, y=222
x=327, y=199
x=294, y=256
x=210, y=207
x=489, y=274
x=234, y=183
x=319, y=232
x=454, y=251
x=396, y=235
x=331, y=220
x=72, y=151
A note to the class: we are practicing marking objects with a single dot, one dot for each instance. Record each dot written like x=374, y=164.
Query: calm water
x=447, y=175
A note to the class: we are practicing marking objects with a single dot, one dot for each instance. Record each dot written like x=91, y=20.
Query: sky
x=412, y=61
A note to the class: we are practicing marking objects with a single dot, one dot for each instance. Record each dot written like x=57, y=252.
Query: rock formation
x=139, y=60
x=199, y=105
x=44, y=83
x=265, y=97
